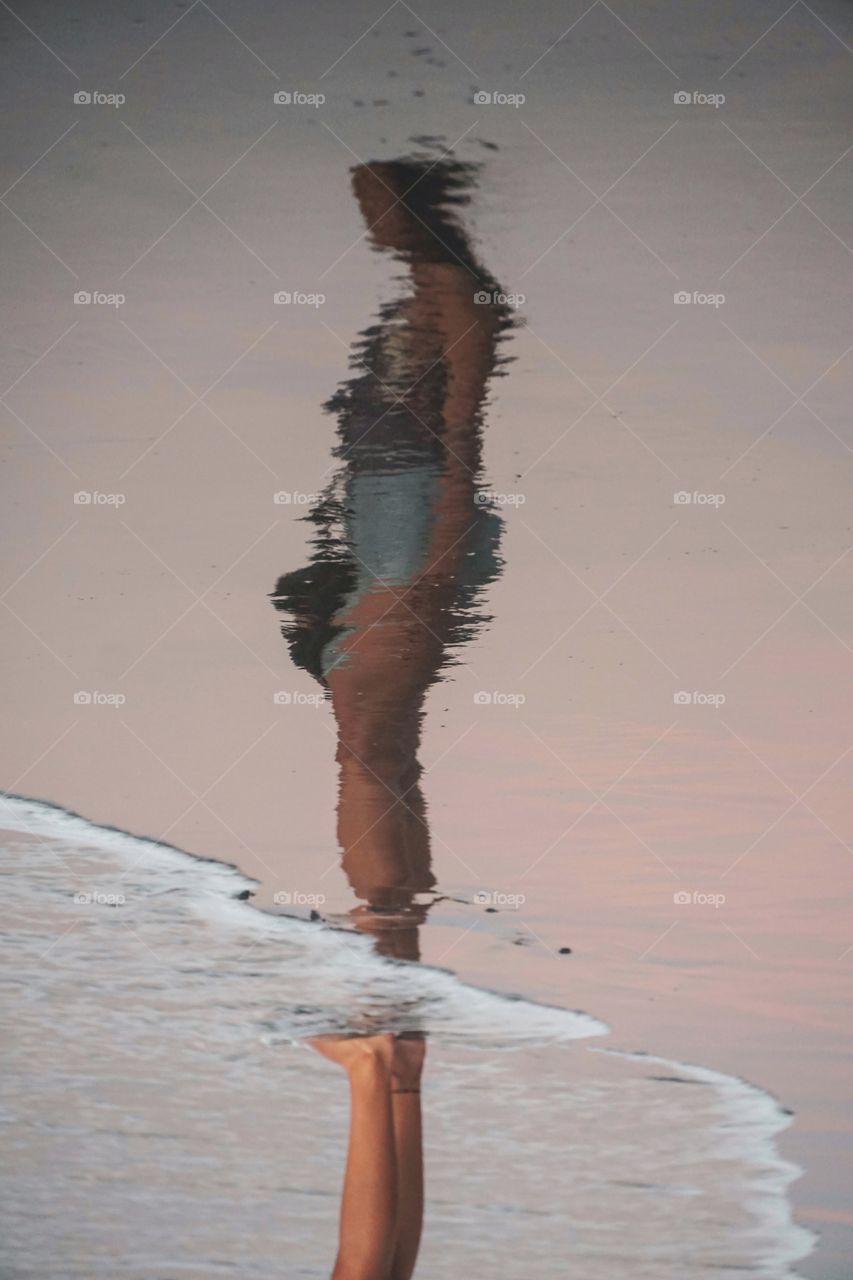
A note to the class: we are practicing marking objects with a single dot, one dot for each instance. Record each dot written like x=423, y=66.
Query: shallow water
x=162, y=1118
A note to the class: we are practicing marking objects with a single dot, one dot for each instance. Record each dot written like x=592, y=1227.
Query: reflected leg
x=408, y=1141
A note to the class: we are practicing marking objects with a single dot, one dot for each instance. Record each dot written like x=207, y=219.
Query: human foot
x=353, y=1052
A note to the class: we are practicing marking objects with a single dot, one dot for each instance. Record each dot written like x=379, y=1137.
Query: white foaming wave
x=750, y=1119
x=325, y=979
x=48, y=821
x=199, y=981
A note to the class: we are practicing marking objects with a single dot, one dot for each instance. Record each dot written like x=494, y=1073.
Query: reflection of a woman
x=399, y=556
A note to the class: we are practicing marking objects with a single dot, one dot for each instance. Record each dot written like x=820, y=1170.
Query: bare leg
x=408, y=1141
x=369, y=1202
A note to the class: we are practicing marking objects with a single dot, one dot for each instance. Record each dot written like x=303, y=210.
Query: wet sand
x=105, y=598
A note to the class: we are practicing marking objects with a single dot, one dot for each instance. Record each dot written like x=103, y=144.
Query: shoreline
x=742, y=1137
x=638, y=1027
